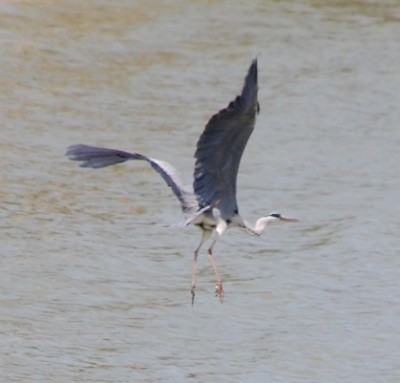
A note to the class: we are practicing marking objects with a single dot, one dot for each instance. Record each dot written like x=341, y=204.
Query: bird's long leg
x=219, y=291
x=204, y=236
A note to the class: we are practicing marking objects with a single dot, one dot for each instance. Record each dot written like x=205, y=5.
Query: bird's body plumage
x=210, y=202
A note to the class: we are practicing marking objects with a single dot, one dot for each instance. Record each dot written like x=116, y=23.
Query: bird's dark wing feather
x=96, y=157
x=220, y=148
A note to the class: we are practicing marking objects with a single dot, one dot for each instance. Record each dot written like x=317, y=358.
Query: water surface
x=95, y=288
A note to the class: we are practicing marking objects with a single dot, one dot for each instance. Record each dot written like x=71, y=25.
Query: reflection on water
x=94, y=287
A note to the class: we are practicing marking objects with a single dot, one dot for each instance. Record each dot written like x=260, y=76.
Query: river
x=94, y=286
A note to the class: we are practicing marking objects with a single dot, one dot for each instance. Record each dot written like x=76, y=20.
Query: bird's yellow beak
x=287, y=219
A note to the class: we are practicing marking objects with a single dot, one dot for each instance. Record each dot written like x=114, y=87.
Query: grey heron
x=210, y=202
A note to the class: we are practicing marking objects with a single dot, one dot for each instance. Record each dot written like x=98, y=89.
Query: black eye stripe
x=276, y=215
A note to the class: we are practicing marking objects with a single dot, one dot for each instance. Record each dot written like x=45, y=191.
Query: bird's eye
x=276, y=215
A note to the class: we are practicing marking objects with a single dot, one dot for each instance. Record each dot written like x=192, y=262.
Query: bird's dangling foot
x=193, y=291
x=219, y=291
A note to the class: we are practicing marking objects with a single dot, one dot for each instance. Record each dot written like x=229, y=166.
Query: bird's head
x=277, y=217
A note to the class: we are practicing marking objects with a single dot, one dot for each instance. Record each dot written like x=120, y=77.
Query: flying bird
x=210, y=202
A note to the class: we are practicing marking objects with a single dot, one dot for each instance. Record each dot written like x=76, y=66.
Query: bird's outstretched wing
x=96, y=157
x=221, y=146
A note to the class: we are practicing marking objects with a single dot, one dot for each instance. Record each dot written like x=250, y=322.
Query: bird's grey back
x=220, y=148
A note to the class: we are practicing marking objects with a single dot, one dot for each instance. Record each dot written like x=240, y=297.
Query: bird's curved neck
x=260, y=225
